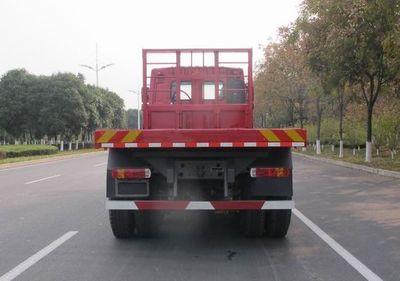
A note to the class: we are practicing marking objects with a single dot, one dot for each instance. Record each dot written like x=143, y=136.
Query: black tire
x=122, y=223
x=253, y=222
x=145, y=223
x=277, y=223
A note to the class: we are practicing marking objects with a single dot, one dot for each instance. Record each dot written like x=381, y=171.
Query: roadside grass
x=383, y=161
x=57, y=154
x=25, y=147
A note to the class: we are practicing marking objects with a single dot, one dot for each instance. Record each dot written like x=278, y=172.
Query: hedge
x=11, y=151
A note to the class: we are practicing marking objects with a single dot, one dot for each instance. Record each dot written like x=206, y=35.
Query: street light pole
x=138, y=106
x=96, y=68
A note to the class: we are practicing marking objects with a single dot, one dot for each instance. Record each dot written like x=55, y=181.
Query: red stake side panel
x=192, y=138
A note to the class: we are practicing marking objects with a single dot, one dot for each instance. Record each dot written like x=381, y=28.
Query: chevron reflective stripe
x=250, y=144
x=131, y=136
x=131, y=145
x=199, y=205
x=189, y=138
x=283, y=135
x=226, y=144
x=201, y=144
x=106, y=136
x=178, y=144
x=269, y=135
x=278, y=205
x=121, y=205
x=294, y=135
x=274, y=144
x=298, y=144
x=154, y=144
x=116, y=136
x=107, y=145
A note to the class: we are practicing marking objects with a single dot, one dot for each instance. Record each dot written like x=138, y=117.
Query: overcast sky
x=49, y=36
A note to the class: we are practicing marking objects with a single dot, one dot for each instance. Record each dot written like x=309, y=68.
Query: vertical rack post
x=144, y=92
x=250, y=82
x=216, y=86
x=178, y=88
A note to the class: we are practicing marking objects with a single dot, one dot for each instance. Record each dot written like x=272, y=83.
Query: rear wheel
x=253, y=222
x=277, y=223
x=122, y=223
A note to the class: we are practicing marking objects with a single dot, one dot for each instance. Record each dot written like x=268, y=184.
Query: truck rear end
x=198, y=149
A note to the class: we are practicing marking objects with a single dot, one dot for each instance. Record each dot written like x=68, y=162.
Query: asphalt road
x=54, y=226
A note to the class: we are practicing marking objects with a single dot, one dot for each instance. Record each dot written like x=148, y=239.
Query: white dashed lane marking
x=13, y=273
x=42, y=179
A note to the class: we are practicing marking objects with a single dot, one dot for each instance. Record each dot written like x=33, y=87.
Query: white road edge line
x=13, y=273
x=100, y=164
x=346, y=255
x=43, y=179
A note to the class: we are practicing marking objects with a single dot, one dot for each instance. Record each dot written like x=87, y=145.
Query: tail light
x=141, y=173
x=270, y=172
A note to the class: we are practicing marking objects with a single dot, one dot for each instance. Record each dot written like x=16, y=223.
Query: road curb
x=371, y=170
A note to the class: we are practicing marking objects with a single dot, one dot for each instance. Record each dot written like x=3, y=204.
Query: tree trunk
x=340, y=149
x=291, y=114
x=318, y=147
x=368, y=145
x=341, y=112
x=319, y=115
x=301, y=116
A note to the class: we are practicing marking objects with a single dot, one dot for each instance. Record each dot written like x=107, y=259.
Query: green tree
x=360, y=40
x=281, y=85
x=63, y=112
x=386, y=124
x=14, y=87
x=132, y=118
x=58, y=105
x=110, y=108
x=34, y=104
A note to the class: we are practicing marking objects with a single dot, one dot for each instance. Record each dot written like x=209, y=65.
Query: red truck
x=198, y=149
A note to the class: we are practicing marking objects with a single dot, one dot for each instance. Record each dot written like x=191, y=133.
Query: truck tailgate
x=196, y=138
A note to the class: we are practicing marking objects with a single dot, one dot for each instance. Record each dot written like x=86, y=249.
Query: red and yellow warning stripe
x=283, y=135
x=200, y=138
x=116, y=136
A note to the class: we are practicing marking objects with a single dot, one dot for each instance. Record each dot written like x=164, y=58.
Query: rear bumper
x=199, y=205
x=199, y=138
x=199, y=144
